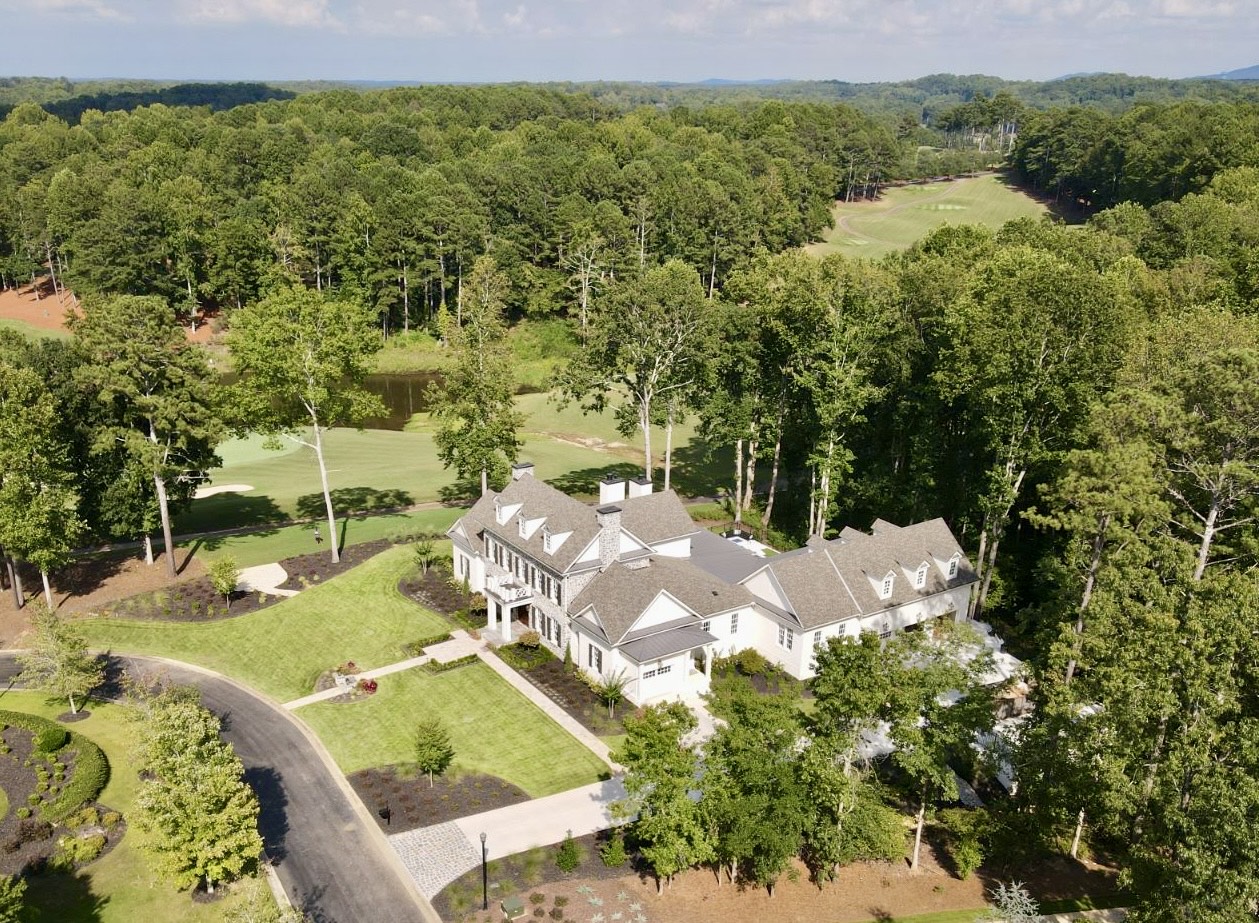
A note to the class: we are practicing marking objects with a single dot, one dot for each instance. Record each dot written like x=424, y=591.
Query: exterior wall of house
x=660, y=679
x=951, y=602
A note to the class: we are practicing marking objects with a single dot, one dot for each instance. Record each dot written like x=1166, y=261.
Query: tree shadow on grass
x=347, y=500
x=260, y=515
x=585, y=482
x=63, y=897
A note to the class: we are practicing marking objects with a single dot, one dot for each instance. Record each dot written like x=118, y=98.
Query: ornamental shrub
x=613, y=852
x=76, y=850
x=568, y=857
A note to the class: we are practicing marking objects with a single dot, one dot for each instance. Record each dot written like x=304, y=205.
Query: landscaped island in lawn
x=120, y=886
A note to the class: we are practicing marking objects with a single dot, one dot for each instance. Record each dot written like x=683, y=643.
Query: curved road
x=331, y=858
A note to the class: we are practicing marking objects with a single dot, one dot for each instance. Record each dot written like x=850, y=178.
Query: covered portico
x=669, y=663
x=506, y=600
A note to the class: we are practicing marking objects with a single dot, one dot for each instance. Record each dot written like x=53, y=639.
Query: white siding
x=678, y=548
x=664, y=608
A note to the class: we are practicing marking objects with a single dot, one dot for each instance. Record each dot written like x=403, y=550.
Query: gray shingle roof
x=620, y=594
x=656, y=517
x=826, y=582
x=652, y=518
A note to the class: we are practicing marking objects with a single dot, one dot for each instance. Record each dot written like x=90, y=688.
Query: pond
x=403, y=394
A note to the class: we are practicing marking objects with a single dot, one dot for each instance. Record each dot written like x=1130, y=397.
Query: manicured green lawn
x=289, y=541
x=907, y=213
x=494, y=729
x=119, y=887
x=30, y=330
x=281, y=650
x=944, y=916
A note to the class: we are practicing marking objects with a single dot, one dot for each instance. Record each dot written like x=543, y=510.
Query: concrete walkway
x=460, y=645
x=264, y=578
x=435, y=856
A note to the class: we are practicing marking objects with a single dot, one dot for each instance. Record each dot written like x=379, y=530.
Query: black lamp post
x=485, y=876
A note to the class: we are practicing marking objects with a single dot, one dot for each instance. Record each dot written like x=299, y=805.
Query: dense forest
x=1080, y=403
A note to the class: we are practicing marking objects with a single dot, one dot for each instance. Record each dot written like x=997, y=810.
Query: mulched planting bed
x=520, y=874
x=196, y=600
x=26, y=843
x=436, y=590
x=409, y=803
x=565, y=689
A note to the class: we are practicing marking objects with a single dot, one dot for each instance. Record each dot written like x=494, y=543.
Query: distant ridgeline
x=218, y=96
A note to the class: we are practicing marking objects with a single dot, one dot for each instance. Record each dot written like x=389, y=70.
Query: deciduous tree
x=58, y=660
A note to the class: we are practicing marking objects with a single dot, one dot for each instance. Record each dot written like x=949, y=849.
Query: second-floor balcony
x=507, y=587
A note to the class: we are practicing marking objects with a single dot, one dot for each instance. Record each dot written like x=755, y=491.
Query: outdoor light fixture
x=485, y=876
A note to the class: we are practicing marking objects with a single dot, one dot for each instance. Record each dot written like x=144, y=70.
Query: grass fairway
x=281, y=650
x=905, y=214
x=494, y=729
x=282, y=542
x=119, y=887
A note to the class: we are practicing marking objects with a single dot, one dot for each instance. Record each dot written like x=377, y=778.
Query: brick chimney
x=609, y=520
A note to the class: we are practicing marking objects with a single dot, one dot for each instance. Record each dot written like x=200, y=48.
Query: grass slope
x=281, y=650
x=31, y=331
x=494, y=729
x=905, y=214
x=119, y=887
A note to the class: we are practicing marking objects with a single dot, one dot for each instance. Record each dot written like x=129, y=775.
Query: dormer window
x=920, y=577
x=520, y=524
x=885, y=590
x=547, y=539
x=953, y=561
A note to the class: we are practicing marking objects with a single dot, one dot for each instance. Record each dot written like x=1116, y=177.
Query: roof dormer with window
x=884, y=587
x=920, y=576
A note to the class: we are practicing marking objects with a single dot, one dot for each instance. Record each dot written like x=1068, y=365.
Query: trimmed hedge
x=91, y=773
x=91, y=768
x=434, y=667
x=416, y=648
x=47, y=736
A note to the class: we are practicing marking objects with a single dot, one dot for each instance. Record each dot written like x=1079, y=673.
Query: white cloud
x=301, y=13
x=84, y=9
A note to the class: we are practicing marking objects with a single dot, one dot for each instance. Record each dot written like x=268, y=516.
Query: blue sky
x=489, y=40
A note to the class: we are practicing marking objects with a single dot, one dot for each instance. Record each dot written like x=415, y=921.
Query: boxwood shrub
x=47, y=736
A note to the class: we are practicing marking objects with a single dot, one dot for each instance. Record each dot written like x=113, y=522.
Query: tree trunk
x=738, y=482
x=327, y=497
x=773, y=474
x=73, y=708
x=43, y=575
x=406, y=303
x=485, y=482
x=1208, y=536
x=668, y=446
x=922, y=817
x=749, y=483
x=163, y=507
x=1079, y=829
x=1090, y=579
x=644, y=423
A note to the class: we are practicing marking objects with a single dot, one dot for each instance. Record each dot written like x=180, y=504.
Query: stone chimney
x=639, y=487
x=611, y=490
x=520, y=469
x=609, y=519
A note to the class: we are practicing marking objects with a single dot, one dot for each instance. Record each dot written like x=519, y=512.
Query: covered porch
x=669, y=664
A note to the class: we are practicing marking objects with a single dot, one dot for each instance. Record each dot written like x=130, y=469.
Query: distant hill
x=1242, y=73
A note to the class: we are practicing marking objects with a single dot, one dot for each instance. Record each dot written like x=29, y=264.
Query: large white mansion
x=633, y=587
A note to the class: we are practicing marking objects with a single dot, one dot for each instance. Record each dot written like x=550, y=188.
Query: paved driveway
x=330, y=859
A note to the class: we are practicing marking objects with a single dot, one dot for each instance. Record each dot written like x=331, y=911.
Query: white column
x=708, y=662
x=506, y=625
x=491, y=614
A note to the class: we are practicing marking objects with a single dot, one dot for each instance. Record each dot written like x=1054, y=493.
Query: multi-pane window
x=595, y=659
x=886, y=631
x=920, y=578
x=706, y=626
x=734, y=623
x=817, y=640
x=952, y=568
x=886, y=590
x=786, y=637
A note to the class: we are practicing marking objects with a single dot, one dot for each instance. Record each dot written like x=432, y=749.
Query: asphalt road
x=329, y=862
